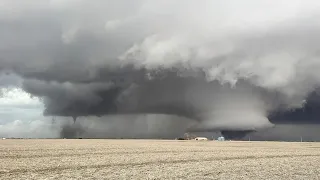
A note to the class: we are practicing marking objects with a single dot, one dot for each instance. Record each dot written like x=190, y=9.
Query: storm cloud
x=221, y=65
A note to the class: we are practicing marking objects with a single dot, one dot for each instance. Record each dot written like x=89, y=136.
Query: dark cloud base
x=281, y=132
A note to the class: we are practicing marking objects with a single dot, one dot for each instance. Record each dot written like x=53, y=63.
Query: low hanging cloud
x=222, y=65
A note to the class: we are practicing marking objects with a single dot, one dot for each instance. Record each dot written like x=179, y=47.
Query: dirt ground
x=155, y=159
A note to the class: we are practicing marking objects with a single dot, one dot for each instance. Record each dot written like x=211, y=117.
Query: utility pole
x=300, y=138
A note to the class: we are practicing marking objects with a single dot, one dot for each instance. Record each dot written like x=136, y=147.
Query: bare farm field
x=157, y=159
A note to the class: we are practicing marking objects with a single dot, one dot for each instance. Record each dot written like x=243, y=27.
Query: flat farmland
x=157, y=159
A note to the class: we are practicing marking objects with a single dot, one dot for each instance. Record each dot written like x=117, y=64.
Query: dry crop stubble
x=157, y=159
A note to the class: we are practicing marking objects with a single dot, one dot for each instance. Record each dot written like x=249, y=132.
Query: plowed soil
x=157, y=159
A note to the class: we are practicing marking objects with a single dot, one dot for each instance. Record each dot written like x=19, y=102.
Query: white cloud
x=16, y=97
x=17, y=104
x=29, y=129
